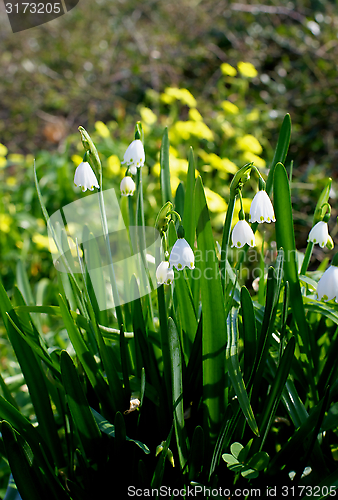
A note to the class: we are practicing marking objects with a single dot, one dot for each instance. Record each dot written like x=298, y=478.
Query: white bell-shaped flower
x=164, y=274
x=242, y=234
x=127, y=186
x=181, y=255
x=134, y=157
x=85, y=177
x=327, y=288
x=261, y=209
x=319, y=234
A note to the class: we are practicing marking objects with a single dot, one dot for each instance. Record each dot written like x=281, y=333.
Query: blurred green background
x=105, y=65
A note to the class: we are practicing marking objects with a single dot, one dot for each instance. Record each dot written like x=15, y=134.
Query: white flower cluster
x=261, y=210
x=134, y=158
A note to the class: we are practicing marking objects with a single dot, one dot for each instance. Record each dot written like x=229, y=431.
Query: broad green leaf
x=165, y=170
x=249, y=333
x=259, y=461
x=281, y=150
x=236, y=448
x=286, y=240
x=213, y=325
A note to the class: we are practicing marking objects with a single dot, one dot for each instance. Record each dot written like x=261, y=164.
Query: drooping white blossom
x=181, y=255
x=327, y=288
x=319, y=234
x=85, y=177
x=242, y=234
x=164, y=274
x=261, y=209
x=127, y=186
x=134, y=157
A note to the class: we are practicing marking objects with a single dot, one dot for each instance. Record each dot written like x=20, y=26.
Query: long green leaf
x=277, y=387
x=286, y=239
x=281, y=150
x=28, y=479
x=177, y=392
x=249, y=333
x=235, y=372
x=82, y=350
x=82, y=416
x=185, y=303
x=214, y=324
x=34, y=376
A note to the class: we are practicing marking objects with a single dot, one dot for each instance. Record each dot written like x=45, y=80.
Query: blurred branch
x=269, y=9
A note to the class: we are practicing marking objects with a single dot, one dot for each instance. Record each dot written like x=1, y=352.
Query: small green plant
x=237, y=460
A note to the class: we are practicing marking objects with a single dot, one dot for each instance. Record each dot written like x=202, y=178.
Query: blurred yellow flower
x=227, y=129
x=114, y=165
x=16, y=158
x=228, y=70
x=174, y=182
x=195, y=115
x=102, y=129
x=222, y=164
x=253, y=115
x=215, y=202
x=5, y=223
x=184, y=130
x=173, y=93
x=3, y=150
x=3, y=162
x=41, y=240
x=249, y=157
x=147, y=115
x=76, y=159
x=230, y=107
x=247, y=69
x=249, y=143
x=11, y=181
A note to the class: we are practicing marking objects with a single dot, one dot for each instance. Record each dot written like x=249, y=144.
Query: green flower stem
x=93, y=156
x=307, y=257
x=226, y=238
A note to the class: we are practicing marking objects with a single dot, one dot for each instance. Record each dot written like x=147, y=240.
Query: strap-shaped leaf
x=281, y=149
x=236, y=374
x=286, y=239
x=177, y=392
x=213, y=325
x=84, y=422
